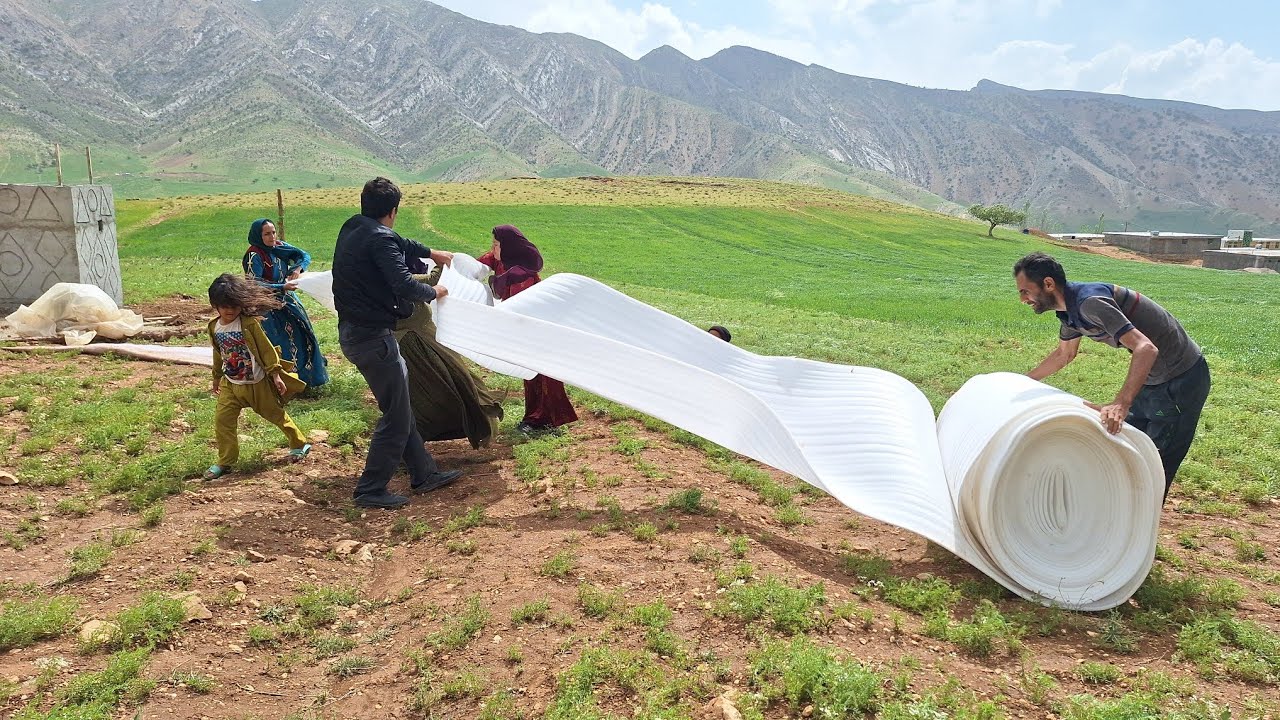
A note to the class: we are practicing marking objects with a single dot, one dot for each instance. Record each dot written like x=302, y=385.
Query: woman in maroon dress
x=516, y=262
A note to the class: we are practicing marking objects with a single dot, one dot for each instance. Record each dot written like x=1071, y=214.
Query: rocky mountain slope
x=225, y=93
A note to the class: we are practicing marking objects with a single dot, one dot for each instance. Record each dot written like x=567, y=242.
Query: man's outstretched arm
x=1056, y=360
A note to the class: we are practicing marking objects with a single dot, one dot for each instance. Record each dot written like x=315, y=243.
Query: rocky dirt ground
x=249, y=545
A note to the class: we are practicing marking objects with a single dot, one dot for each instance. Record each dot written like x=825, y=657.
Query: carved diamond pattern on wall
x=14, y=264
x=50, y=279
x=51, y=248
x=98, y=259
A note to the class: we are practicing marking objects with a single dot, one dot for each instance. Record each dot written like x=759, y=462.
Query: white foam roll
x=1065, y=511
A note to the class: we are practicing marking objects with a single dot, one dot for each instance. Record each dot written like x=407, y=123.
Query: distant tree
x=997, y=215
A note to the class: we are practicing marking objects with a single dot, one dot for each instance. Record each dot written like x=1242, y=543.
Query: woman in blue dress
x=277, y=265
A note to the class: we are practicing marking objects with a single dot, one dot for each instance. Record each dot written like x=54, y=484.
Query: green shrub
x=23, y=623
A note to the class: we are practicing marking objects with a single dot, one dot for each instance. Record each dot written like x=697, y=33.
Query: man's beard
x=1042, y=303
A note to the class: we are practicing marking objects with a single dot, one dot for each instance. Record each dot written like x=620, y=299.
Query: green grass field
x=523, y=594
x=795, y=270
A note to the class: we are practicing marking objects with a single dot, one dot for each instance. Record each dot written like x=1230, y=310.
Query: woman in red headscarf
x=516, y=262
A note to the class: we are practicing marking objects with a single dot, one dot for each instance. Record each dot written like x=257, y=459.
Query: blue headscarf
x=257, y=246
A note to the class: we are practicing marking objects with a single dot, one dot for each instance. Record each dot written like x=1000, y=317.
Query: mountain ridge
x=227, y=94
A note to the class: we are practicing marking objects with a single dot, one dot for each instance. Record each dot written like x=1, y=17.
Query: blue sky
x=1225, y=54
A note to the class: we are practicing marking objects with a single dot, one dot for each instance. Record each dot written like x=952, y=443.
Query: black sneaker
x=383, y=500
x=533, y=431
x=436, y=480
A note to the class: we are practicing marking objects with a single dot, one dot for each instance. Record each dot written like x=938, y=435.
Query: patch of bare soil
x=170, y=317
x=1118, y=253
x=696, y=183
x=284, y=528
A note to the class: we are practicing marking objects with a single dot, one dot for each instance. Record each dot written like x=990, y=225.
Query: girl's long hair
x=245, y=293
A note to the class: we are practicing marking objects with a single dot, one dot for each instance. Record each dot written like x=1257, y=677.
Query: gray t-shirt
x=1105, y=312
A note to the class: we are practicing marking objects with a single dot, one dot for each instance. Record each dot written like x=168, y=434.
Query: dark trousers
x=1169, y=412
x=376, y=354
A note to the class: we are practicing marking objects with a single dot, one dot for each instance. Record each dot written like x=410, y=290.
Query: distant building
x=1165, y=245
x=1240, y=250
x=1078, y=237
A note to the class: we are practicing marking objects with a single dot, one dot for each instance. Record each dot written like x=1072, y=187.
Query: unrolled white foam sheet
x=866, y=436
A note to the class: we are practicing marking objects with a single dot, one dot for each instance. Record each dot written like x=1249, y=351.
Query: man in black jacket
x=372, y=290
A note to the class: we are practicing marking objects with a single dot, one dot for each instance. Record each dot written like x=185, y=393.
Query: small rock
x=346, y=547
x=241, y=588
x=98, y=631
x=318, y=436
x=244, y=577
x=1090, y=633
x=722, y=708
x=235, y=648
x=255, y=556
x=194, y=606
x=7, y=478
x=365, y=555
x=807, y=711
x=58, y=663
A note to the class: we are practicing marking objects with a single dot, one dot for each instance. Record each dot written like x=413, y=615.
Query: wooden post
x=57, y=160
x=280, y=207
x=88, y=158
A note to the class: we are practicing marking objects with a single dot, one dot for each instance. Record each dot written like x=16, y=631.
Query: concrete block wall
x=1240, y=259
x=51, y=234
x=1173, y=246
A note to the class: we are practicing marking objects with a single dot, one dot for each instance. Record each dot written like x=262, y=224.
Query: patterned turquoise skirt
x=290, y=328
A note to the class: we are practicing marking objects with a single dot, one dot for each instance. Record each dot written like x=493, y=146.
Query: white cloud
x=630, y=32
x=1212, y=73
x=931, y=43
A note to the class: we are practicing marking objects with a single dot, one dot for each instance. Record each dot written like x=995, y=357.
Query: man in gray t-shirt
x=1168, y=380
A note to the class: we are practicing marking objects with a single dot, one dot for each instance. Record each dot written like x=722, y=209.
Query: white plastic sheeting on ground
x=183, y=355
x=77, y=311
x=1016, y=477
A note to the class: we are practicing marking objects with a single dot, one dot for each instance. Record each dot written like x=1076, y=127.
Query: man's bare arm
x=1056, y=360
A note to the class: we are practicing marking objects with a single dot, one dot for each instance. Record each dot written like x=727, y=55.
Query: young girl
x=515, y=262
x=256, y=377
